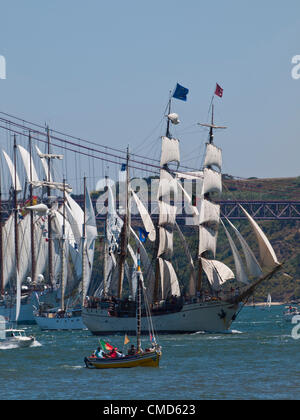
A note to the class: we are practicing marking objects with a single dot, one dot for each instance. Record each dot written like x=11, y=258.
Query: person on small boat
x=132, y=350
x=99, y=353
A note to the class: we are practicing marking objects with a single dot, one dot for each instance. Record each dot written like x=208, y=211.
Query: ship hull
x=206, y=317
x=63, y=324
x=26, y=313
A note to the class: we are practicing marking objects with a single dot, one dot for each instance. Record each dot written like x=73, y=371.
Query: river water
x=259, y=359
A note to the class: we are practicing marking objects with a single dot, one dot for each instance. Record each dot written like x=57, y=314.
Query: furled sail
x=8, y=251
x=268, y=257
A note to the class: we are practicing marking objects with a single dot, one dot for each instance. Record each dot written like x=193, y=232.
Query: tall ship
x=41, y=237
x=203, y=305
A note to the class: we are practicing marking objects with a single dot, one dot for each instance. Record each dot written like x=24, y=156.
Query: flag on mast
x=126, y=340
x=219, y=91
x=180, y=92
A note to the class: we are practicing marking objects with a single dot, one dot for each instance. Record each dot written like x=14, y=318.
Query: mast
x=84, y=245
x=63, y=242
x=139, y=303
x=1, y=243
x=16, y=206
x=33, y=262
x=105, y=247
x=125, y=232
x=50, y=245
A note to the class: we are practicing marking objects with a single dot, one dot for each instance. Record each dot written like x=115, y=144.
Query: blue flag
x=143, y=235
x=180, y=92
x=123, y=167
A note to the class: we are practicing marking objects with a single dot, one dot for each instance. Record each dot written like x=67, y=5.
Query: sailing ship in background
x=32, y=241
x=109, y=310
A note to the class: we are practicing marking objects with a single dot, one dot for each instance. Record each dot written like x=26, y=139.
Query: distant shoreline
x=265, y=303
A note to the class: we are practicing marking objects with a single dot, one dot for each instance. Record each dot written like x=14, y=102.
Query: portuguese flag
x=105, y=345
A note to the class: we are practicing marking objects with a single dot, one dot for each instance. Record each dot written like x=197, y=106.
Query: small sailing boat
x=268, y=304
x=142, y=358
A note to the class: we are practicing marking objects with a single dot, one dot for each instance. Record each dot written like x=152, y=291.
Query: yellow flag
x=126, y=340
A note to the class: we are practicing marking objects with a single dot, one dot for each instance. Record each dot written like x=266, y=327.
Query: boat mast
x=84, y=244
x=63, y=259
x=16, y=206
x=105, y=246
x=33, y=262
x=139, y=303
x=1, y=243
x=50, y=246
x=157, y=267
x=125, y=231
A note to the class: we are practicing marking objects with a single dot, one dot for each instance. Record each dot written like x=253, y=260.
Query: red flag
x=219, y=91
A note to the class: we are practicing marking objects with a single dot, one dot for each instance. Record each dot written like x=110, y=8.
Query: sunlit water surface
x=259, y=359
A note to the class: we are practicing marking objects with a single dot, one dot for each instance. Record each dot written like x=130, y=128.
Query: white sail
x=213, y=156
x=165, y=243
x=147, y=221
x=212, y=181
x=167, y=214
x=167, y=188
x=41, y=245
x=28, y=164
x=217, y=273
x=209, y=212
x=25, y=257
x=192, y=283
x=146, y=263
x=16, y=184
x=169, y=280
x=268, y=257
x=91, y=235
x=207, y=240
x=241, y=274
x=18, y=295
x=170, y=151
x=9, y=260
x=252, y=264
x=45, y=165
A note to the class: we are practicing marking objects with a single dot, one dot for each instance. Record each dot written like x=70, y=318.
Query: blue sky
x=103, y=71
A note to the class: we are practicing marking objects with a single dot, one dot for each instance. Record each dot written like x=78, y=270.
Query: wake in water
x=8, y=346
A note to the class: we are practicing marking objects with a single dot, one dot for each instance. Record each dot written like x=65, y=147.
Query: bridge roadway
x=260, y=210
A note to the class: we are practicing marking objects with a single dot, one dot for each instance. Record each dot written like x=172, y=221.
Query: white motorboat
x=16, y=338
